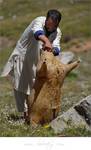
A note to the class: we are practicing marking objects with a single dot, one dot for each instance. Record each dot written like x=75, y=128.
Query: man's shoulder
x=40, y=18
x=59, y=31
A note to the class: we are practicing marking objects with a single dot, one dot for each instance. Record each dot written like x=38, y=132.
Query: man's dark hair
x=54, y=14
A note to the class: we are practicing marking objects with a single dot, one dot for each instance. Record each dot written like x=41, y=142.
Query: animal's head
x=49, y=65
x=45, y=61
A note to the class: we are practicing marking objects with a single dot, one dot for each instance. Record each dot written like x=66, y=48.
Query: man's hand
x=47, y=44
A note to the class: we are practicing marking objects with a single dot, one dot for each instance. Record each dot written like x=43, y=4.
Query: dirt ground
x=82, y=47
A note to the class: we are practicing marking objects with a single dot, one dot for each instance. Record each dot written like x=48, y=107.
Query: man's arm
x=39, y=34
x=47, y=45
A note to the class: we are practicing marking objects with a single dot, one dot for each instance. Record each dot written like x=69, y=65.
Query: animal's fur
x=44, y=101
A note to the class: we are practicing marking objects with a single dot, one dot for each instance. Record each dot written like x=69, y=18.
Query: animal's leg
x=35, y=119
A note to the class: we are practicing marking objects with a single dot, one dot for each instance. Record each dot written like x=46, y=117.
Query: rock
x=14, y=17
x=79, y=115
x=1, y=18
x=66, y=57
x=77, y=1
x=1, y=1
x=84, y=109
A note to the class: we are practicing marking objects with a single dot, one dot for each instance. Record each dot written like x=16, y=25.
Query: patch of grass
x=76, y=132
x=72, y=76
x=4, y=55
x=22, y=7
x=13, y=28
x=75, y=22
x=11, y=122
x=24, y=131
x=16, y=127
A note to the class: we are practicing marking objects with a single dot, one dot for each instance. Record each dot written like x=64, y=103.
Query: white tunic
x=21, y=65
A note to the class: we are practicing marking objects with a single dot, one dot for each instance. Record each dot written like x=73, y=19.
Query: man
x=42, y=33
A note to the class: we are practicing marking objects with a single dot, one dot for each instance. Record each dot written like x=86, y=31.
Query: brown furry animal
x=44, y=101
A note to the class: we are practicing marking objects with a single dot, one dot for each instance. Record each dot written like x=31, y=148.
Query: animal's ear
x=42, y=70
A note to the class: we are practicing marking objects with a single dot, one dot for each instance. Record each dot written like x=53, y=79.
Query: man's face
x=51, y=25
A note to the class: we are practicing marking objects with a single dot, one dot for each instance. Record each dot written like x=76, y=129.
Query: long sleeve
x=56, y=43
x=38, y=26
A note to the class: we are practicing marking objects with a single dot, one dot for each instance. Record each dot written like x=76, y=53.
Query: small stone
x=14, y=17
x=1, y=18
x=1, y=1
